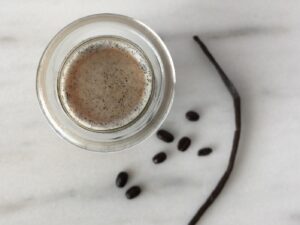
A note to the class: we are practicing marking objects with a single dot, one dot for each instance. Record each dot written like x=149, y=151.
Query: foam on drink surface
x=105, y=83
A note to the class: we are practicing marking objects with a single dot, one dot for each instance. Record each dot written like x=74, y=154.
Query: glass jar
x=102, y=25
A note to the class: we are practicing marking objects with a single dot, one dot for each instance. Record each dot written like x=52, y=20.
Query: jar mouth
x=162, y=89
x=94, y=45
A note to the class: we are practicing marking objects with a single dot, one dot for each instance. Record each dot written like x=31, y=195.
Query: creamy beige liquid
x=105, y=84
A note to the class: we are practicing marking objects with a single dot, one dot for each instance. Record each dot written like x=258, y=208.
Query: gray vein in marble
x=165, y=185
x=230, y=32
x=89, y=193
x=295, y=217
x=7, y=39
x=245, y=31
x=13, y=207
x=278, y=93
x=164, y=182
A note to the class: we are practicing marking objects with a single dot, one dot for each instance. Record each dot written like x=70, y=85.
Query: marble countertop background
x=256, y=42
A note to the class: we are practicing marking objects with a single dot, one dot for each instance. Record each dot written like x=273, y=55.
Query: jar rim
x=88, y=139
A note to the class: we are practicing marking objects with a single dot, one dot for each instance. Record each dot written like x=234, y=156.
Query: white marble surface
x=45, y=180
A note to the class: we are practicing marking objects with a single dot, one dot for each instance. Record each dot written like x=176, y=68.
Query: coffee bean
x=159, y=157
x=121, y=179
x=165, y=136
x=192, y=116
x=204, y=151
x=183, y=144
x=133, y=192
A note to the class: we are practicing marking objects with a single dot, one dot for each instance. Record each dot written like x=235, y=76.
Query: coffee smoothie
x=105, y=83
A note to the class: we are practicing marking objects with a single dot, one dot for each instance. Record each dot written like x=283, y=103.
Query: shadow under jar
x=106, y=82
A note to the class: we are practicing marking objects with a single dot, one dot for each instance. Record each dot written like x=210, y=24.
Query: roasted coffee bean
x=159, y=157
x=204, y=151
x=165, y=136
x=192, y=116
x=183, y=144
x=121, y=179
x=133, y=192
